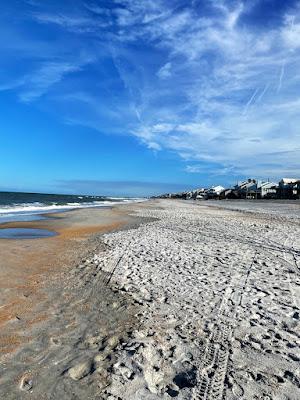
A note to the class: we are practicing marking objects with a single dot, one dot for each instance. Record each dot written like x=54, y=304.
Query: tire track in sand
x=213, y=368
x=294, y=270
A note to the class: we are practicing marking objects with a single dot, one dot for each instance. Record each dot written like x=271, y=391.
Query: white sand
x=220, y=297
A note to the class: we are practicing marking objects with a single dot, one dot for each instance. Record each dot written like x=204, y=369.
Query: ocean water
x=17, y=206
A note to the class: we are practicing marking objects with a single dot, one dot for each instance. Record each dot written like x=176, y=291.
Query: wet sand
x=26, y=266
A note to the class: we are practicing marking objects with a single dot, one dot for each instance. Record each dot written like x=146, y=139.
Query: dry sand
x=201, y=303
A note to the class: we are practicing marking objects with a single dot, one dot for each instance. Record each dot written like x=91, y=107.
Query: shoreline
x=60, y=223
x=27, y=265
x=55, y=213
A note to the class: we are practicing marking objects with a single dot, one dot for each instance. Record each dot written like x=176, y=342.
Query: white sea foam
x=40, y=208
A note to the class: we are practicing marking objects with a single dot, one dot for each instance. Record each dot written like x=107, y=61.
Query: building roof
x=289, y=180
x=216, y=189
x=267, y=185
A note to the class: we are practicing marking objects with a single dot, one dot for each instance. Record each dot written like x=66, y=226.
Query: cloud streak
x=41, y=80
x=250, y=101
x=281, y=77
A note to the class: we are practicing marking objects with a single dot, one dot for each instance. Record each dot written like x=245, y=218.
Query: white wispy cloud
x=47, y=75
x=250, y=101
x=165, y=71
x=76, y=23
x=291, y=34
x=33, y=85
x=194, y=169
x=217, y=66
x=206, y=85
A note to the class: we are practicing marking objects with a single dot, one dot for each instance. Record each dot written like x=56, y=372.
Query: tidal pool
x=25, y=233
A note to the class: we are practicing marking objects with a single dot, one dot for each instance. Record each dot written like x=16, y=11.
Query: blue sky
x=143, y=96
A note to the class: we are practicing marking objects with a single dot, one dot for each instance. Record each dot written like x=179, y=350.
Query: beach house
x=214, y=192
x=288, y=188
x=247, y=189
x=266, y=190
x=229, y=194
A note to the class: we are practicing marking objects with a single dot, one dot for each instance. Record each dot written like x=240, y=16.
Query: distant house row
x=287, y=188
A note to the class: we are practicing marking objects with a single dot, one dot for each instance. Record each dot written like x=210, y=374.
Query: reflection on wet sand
x=25, y=233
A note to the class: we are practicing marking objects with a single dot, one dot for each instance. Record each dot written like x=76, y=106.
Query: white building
x=267, y=189
x=215, y=191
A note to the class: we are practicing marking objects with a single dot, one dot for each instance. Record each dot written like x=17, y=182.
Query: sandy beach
x=158, y=300
x=26, y=266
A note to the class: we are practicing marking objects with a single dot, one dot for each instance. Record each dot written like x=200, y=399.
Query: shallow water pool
x=25, y=233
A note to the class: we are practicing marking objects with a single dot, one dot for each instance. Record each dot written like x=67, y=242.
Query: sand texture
x=201, y=303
